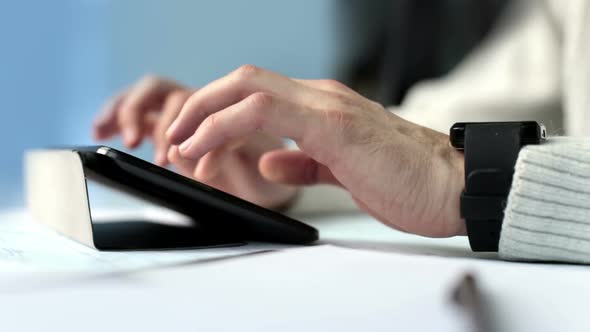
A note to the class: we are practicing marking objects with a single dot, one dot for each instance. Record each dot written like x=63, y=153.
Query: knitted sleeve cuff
x=547, y=217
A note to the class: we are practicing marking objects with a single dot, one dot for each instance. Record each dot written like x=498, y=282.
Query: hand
x=147, y=109
x=407, y=176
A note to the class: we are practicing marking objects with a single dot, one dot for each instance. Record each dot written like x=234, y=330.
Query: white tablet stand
x=57, y=196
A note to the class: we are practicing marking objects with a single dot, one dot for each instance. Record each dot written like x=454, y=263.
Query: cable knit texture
x=547, y=217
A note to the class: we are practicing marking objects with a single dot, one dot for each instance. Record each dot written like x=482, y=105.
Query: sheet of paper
x=30, y=249
x=396, y=282
x=322, y=288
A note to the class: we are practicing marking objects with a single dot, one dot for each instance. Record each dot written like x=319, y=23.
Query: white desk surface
x=390, y=281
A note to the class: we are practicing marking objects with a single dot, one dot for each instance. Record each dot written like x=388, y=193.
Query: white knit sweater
x=534, y=66
x=548, y=212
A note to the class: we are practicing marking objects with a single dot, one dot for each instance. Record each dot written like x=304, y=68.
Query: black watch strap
x=490, y=154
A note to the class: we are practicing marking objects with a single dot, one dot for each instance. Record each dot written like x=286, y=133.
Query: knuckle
x=260, y=100
x=212, y=121
x=247, y=71
x=259, y=104
x=334, y=84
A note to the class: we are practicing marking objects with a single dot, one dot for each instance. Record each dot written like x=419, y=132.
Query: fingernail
x=185, y=145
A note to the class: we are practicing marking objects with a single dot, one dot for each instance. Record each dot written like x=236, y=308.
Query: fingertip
x=271, y=167
x=101, y=133
x=160, y=158
x=130, y=137
x=97, y=135
x=99, y=127
x=173, y=154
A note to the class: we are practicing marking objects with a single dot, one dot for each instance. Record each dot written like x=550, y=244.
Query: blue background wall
x=60, y=59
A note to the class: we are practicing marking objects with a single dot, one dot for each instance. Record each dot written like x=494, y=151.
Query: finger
x=227, y=91
x=147, y=95
x=150, y=121
x=259, y=112
x=211, y=165
x=172, y=107
x=105, y=125
x=215, y=162
x=294, y=167
x=184, y=166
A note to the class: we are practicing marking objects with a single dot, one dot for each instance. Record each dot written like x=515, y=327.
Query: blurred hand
x=147, y=108
x=407, y=176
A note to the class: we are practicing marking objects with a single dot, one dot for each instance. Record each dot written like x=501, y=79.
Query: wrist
x=455, y=184
x=458, y=185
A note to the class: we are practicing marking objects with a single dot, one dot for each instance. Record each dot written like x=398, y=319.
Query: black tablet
x=216, y=212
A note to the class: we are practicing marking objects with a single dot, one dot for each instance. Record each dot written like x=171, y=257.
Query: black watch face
x=531, y=132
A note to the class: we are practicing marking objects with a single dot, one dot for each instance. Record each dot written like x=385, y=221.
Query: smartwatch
x=490, y=150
